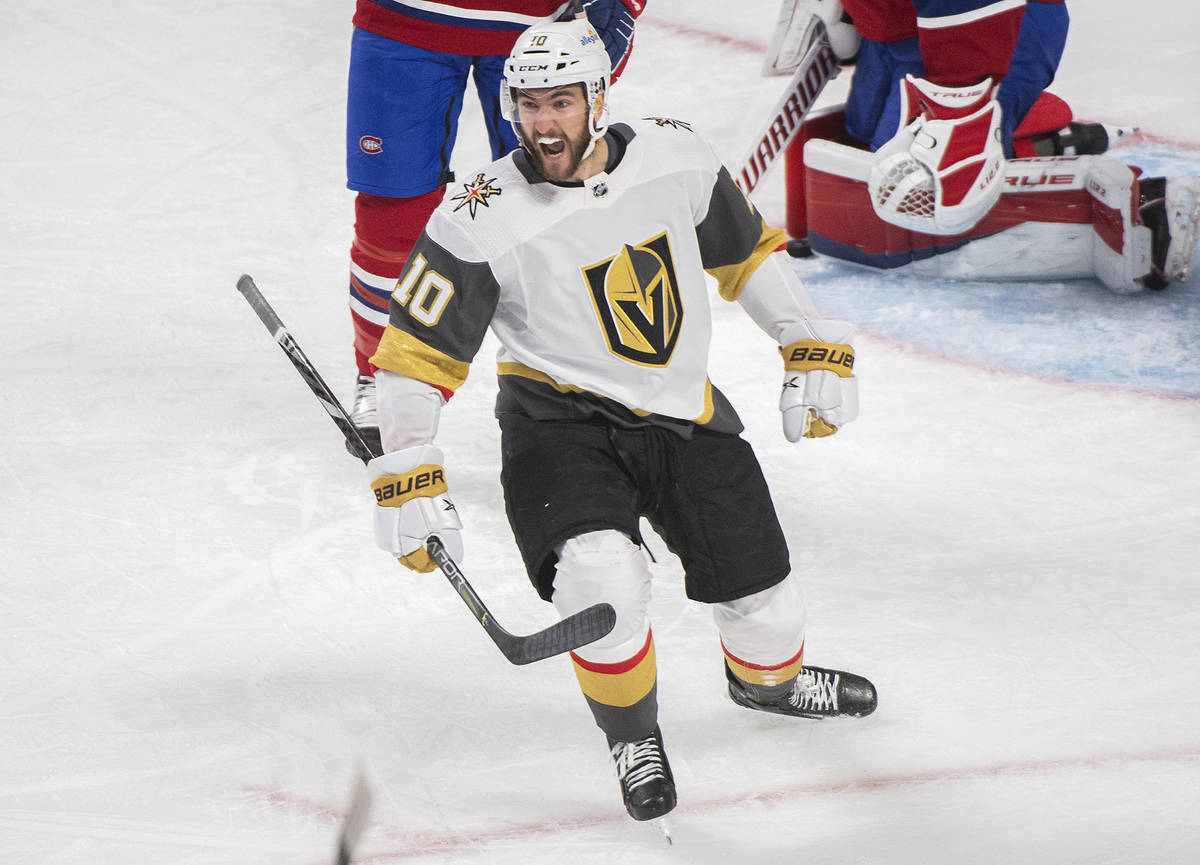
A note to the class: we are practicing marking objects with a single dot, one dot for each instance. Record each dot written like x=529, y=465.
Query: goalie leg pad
x=1183, y=215
x=1120, y=248
x=1058, y=218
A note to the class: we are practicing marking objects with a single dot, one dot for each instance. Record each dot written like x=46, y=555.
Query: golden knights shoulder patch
x=637, y=299
x=475, y=193
x=672, y=122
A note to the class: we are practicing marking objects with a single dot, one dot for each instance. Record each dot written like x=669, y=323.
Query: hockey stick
x=817, y=68
x=304, y=366
x=354, y=823
x=576, y=630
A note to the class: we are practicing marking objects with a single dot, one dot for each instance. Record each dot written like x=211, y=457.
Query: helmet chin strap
x=596, y=132
x=594, y=135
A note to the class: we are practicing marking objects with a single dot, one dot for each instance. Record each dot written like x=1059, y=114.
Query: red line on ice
x=700, y=33
x=917, y=350
x=413, y=844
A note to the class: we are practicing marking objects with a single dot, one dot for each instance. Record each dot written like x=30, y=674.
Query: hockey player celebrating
x=945, y=93
x=409, y=64
x=585, y=252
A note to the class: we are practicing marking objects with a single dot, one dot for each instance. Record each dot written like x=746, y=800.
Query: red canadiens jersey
x=962, y=41
x=473, y=27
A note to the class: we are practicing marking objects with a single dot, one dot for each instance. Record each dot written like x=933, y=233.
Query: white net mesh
x=917, y=197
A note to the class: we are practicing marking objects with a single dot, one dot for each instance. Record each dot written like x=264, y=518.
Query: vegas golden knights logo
x=636, y=295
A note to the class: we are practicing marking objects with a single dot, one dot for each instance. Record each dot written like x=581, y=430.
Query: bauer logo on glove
x=809, y=354
x=413, y=503
x=394, y=490
x=820, y=392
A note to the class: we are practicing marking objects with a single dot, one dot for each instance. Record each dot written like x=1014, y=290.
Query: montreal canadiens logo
x=370, y=144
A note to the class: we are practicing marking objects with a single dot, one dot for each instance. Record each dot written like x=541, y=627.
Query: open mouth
x=551, y=147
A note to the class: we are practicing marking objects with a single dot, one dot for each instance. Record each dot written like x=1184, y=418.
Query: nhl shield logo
x=636, y=297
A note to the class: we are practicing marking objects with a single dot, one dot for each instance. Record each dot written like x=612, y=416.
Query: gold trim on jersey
x=710, y=407
x=516, y=368
x=522, y=371
x=403, y=353
x=732, y=277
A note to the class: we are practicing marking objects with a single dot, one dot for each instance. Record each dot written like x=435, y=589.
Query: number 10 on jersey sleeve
x=423, y=292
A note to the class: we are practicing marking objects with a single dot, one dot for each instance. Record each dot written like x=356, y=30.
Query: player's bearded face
x=553, y=124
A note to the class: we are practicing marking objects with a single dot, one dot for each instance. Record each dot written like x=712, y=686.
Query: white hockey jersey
x=595, y=290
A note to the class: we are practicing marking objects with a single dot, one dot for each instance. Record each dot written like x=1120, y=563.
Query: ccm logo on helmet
x=533, y=67
x=370, y=144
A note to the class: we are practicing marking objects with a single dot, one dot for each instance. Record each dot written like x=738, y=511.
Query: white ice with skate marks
x=200, y=642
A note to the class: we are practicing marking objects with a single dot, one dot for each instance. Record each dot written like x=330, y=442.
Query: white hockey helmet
x=557, y=53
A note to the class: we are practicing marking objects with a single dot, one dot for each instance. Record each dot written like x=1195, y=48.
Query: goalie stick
x=576, y=630
x=817, y=68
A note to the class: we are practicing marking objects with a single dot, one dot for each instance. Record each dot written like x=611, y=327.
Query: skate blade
x=661, y=824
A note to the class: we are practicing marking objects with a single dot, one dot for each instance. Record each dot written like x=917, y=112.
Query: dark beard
x=575, y=150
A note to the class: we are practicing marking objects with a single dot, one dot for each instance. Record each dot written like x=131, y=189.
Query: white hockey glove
x=803, y=22
x=944, y=170
x=413, y=503
x=820, y=392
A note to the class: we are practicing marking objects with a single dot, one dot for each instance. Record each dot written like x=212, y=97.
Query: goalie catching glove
x=943, y=171
x=413, y=503
x=820, y=392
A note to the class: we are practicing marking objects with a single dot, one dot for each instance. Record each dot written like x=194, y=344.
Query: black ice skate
x=1079, y=139
x=815, y=693
x=364, y=414
x=647, y=785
